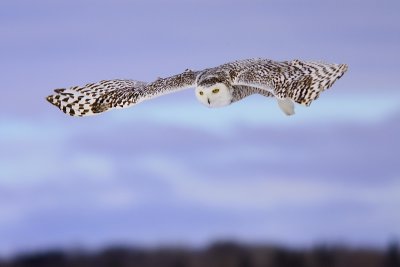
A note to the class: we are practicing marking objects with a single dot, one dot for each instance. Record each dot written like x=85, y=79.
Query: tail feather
x=94, y=98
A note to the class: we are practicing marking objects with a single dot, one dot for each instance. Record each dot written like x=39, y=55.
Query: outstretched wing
x=93, y=98
x=297, y=80
x=98, y=97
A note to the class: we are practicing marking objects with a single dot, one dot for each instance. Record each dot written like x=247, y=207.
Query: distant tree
x=46, y=259
x=219, y=255
x=228, y=254
x=392, y=255
x=323, y=256
x=288, y=258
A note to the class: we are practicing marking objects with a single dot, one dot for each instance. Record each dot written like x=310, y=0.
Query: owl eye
x=216, y=90
x=201, y=93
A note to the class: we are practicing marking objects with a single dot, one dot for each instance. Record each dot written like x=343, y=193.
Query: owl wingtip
x=50, y=99
x=344, y=67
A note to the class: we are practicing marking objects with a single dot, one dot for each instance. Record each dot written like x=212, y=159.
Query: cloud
x=235, y=191
x=147, y=182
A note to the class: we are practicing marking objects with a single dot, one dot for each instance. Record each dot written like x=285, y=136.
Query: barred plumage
x=96, y=97
x=287, y=81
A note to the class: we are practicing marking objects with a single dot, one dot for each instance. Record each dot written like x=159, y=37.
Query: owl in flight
x=288, y=81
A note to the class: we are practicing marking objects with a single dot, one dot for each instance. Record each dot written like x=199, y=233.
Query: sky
x=172, y=172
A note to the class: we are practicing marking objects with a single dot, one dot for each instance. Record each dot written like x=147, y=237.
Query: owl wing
x=300, y=81
x=241, y=91
x=98, y=97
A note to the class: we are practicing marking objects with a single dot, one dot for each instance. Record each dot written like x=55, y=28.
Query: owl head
x=213, y=96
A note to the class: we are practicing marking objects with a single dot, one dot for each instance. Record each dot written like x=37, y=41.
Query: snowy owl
x=288, y=81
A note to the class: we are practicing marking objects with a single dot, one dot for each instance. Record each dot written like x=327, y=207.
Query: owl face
x=217, y=95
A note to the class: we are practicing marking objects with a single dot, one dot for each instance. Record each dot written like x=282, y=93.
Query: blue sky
x=170, y=171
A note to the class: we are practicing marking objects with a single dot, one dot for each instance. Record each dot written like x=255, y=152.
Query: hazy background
x=171, y=171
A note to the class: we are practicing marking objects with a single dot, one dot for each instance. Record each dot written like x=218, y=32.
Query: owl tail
x=95, y=98
x=318, y=77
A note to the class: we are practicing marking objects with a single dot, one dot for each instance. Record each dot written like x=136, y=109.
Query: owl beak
x=208, y=100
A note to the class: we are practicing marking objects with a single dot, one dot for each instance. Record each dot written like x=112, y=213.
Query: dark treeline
x=217, y=255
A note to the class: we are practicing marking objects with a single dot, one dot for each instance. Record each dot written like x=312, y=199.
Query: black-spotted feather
x=98, y=97
x=298, y=80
